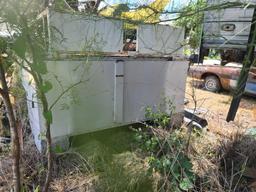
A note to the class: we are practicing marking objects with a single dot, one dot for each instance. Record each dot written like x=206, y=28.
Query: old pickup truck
x=218, y=77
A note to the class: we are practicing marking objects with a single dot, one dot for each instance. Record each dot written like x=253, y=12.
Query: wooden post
x=241, y=83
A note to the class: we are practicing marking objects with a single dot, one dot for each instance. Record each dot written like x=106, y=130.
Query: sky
x=173, y=5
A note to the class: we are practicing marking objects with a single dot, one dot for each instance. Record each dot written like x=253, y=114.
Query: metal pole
x=248, y=60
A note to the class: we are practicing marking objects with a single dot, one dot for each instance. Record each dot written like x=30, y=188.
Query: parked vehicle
x=227, y=30
x=217, y=77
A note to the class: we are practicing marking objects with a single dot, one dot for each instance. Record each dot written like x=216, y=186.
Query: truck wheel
x=212, y=83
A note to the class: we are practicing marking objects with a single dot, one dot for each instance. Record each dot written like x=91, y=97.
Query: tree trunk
x=48, y=122
x=15, y=145
x=49, y=158
x=39, y=82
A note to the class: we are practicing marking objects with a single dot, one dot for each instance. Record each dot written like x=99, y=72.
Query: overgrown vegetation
x=161, y=160
x=165, y=151
x=207, y=163
x=26, y=46
x=193, y=23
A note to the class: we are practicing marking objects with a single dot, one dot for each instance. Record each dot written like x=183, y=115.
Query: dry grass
x=74, y=182
x=224, y=157
x=216, y=106
x=71, y=171
x=5, y=170
x=224, y=164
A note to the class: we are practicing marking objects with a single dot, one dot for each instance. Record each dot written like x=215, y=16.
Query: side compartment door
x=119, y=91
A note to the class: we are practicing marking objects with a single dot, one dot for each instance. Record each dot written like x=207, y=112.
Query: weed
x=165, y=153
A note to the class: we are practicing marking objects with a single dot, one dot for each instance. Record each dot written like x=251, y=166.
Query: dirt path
x=215, y=107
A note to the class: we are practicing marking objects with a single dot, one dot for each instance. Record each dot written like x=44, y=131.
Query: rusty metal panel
x=227, y=75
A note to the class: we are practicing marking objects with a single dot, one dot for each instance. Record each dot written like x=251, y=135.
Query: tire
x=212, y=83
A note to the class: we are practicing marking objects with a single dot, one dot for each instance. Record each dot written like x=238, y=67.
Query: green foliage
x=157, y=116
x=166, y=152
x=48, y=116
x=61, y=5
x=7, y=62
x=28, y=48
x=37, y=189
x=125, y=173
x=10, y=14
x=186, y=184
x=191, y=18
x=46, y=87
x=120, y=8
x=58, y=149
x=40, y=68
x=3, y=45
x=19, y=46
x=18, y=92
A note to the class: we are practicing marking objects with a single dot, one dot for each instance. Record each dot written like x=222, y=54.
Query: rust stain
x=254, y=113
x=226, y=74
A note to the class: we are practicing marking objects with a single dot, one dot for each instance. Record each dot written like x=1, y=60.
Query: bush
x=165, y=151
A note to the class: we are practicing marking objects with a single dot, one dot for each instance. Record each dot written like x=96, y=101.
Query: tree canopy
x=147, y=13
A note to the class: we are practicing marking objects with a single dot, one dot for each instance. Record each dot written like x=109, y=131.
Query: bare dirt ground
x=214, y=107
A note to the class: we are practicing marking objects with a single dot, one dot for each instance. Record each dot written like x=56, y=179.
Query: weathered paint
x=108, y=96
x=76, y=32
x=228, y=76
x=227, y=28
x=90, y=33
x=115, y=87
